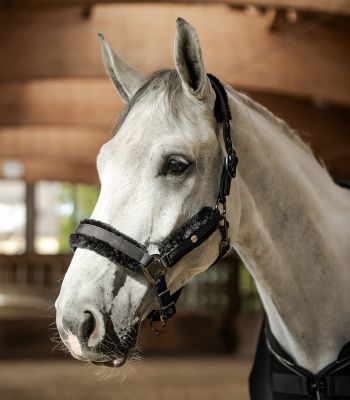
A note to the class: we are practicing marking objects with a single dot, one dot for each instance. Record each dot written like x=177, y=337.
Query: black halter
x=119, y=248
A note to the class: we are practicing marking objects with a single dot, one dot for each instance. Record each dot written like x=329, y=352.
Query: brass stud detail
x=194, y=238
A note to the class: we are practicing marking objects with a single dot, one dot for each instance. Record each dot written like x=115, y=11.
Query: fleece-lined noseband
x=123, y=250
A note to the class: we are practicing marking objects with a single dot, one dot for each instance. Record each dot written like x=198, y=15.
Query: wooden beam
x=62, y=153
x=37, y=169
x=33, y=112
x=90, y=102
x=50, y=170
x=61, y=144
x=94, y=103
x=73, y=147
x=307, y=59
x=30, y=218
x=318, y=6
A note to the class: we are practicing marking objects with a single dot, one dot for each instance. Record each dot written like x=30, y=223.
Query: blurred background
x=56, y=108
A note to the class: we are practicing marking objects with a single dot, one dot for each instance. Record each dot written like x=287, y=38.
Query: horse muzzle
x=90, y=336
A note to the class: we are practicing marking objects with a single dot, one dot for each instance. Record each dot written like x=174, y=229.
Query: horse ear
x=189, y=62
x=125, y=78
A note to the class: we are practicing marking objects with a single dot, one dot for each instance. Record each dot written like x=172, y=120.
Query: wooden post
x=30, y=218
x=229, y=328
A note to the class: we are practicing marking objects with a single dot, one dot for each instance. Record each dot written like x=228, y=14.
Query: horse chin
x=116, y=363
x=118, y=354
x=118, y=360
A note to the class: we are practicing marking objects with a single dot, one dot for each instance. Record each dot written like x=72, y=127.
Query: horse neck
x=292, y=235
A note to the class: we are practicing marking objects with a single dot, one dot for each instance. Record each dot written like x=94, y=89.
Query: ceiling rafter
x=309, y=58
x=339, y=7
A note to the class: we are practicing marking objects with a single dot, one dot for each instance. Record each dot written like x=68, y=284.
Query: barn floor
x=203, y=378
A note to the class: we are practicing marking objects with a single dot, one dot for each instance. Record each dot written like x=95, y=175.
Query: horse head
x=161, y=166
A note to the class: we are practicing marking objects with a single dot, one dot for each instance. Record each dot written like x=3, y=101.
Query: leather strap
x=223, y=115
x=290, y=384
x=325, y=387
x=338, y=386
x=113, y=240
x=156, y=315
x=196, y=238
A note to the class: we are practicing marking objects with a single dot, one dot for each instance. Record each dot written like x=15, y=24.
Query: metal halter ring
x=162, y=326
x=223, y=205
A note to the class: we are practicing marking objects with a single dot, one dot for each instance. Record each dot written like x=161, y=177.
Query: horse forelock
x=165, y=81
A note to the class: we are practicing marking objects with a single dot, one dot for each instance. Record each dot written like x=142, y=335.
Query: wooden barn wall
x=57, y=107
x=59, y=135
x=263, y=51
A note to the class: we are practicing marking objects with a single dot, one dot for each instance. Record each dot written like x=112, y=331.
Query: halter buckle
x=224, y=227
x=154, y=270
x=231, y=162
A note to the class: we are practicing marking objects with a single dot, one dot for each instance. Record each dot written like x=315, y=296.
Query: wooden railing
x=30, y=283
x=33, y=271
x=32, y=280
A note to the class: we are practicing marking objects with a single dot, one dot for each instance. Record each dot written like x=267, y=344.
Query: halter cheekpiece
x=119, y=248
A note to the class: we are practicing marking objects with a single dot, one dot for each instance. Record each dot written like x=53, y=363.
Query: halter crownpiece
x=123, y=250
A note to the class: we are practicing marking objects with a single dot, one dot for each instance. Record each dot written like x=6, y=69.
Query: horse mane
x=291, y=133
x=167, y=81
x=284, y=127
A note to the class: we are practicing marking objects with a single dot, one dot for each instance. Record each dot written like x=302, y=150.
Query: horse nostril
x=87, y=325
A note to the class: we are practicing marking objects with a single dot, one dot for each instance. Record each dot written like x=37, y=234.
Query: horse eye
x=176, y=166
